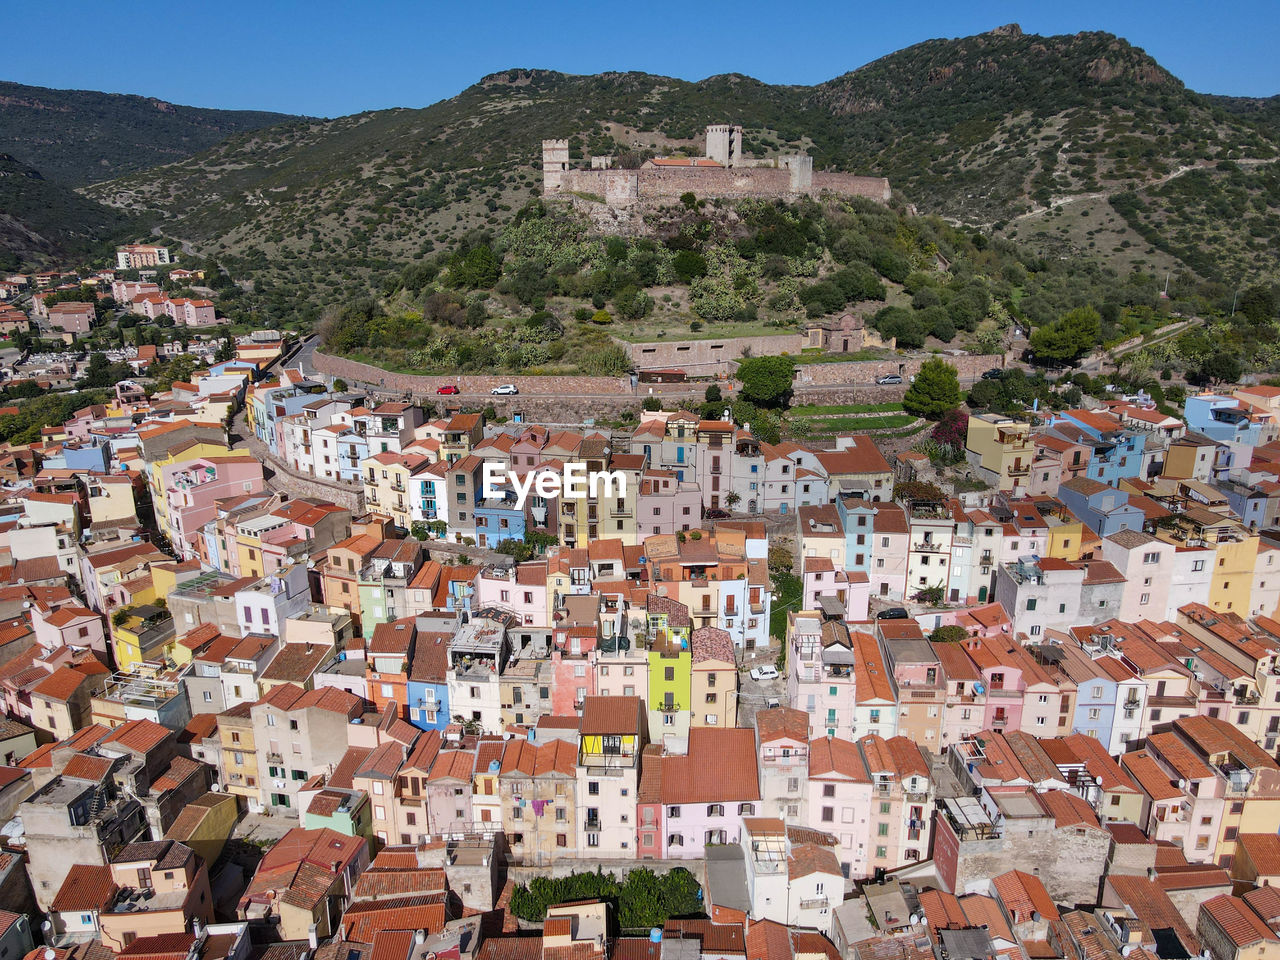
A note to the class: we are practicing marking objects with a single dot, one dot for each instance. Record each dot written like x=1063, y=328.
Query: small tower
x=724, y=144
x=555, y=161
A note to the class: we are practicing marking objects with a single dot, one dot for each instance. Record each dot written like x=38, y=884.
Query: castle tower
x=801, y=167
x=555, y=161
x=724, y=144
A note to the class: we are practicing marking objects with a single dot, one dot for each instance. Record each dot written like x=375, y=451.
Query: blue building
x=1104, y=510
x=858, y=518
x=1117, y=452
x=1249, y=505
x=428, y=689
x=1225, y=420
x=498, y=519
x=95, y=457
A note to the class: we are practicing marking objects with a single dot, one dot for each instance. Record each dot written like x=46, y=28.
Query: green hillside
x=978, y=130
x=42, y=221
x=82, y=136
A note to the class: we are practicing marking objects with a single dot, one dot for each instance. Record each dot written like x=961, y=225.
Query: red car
x=448, y=388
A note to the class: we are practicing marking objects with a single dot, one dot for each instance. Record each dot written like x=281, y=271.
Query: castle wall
x=850, y=184
x=659, y=184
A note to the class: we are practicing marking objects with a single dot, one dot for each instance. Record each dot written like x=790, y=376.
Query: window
x=673, y=813
x=1151, y=558
x=1031, y=604
x=593, y=787
x=828, y=814
x=882, y=829
x=1197, y=566
x=715, y=809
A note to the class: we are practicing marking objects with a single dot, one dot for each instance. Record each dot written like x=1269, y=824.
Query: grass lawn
x=844, y=424
x=819, y=411
x=665, y=327
x=788, y=590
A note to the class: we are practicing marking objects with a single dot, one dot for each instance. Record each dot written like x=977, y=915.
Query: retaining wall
x=969, y=367
x=398, y=383
x=708, y=356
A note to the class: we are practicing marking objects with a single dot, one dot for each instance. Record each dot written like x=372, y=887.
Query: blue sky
x=328, y=58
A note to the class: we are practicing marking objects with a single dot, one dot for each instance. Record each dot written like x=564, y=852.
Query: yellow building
x=143, y=632
x=386, y=479
x=1001, y=447
x=239, y=755
x=205, y=824
x=1234, y=560
x=1066, y=536
x=111, y=498
x=713, y=682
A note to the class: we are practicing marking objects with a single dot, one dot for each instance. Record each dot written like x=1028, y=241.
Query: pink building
x=840, y=801
x=192, y=489
x=573, y=678
x=521, y=589
x=125, y=291
x=71, y=317
x=666, y=504
x=150, y=305
x=71, y=626
x=1002, y=682
x=192, y=313
x=1192, y=818
x=964, y=708
x=851, y=587
x=704, y=792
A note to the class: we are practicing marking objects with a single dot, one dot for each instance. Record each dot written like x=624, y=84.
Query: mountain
x=981, y=130
x=81, y=136
x=41, y=220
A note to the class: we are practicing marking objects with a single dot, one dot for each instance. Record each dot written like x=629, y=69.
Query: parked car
x=888, y=378
x=772, y=702
x=894, y=613
x=505, y=390
x=448, y=389
x=995, y=373
x=713, y=514
x=764, y=673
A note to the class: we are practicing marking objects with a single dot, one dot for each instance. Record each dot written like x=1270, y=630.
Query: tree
x=766, y=381
x=1067, y=339
x=339, y=386
x=651, y=404
x=689, y=264
x=952, y=633
x=518, y=550
x=936, y=390
x=713, y=394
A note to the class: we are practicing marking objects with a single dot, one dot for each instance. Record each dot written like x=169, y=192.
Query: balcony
x=815, y=903
x=669, y=708
x=1247, y=699
x=930, y=546
x=1019, y=471
x=999, y=723
x=592, y=824
x=274, y=758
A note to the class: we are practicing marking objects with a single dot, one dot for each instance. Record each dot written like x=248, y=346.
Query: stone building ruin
x=723, y=172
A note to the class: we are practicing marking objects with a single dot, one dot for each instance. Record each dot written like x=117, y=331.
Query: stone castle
x=723, y=172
